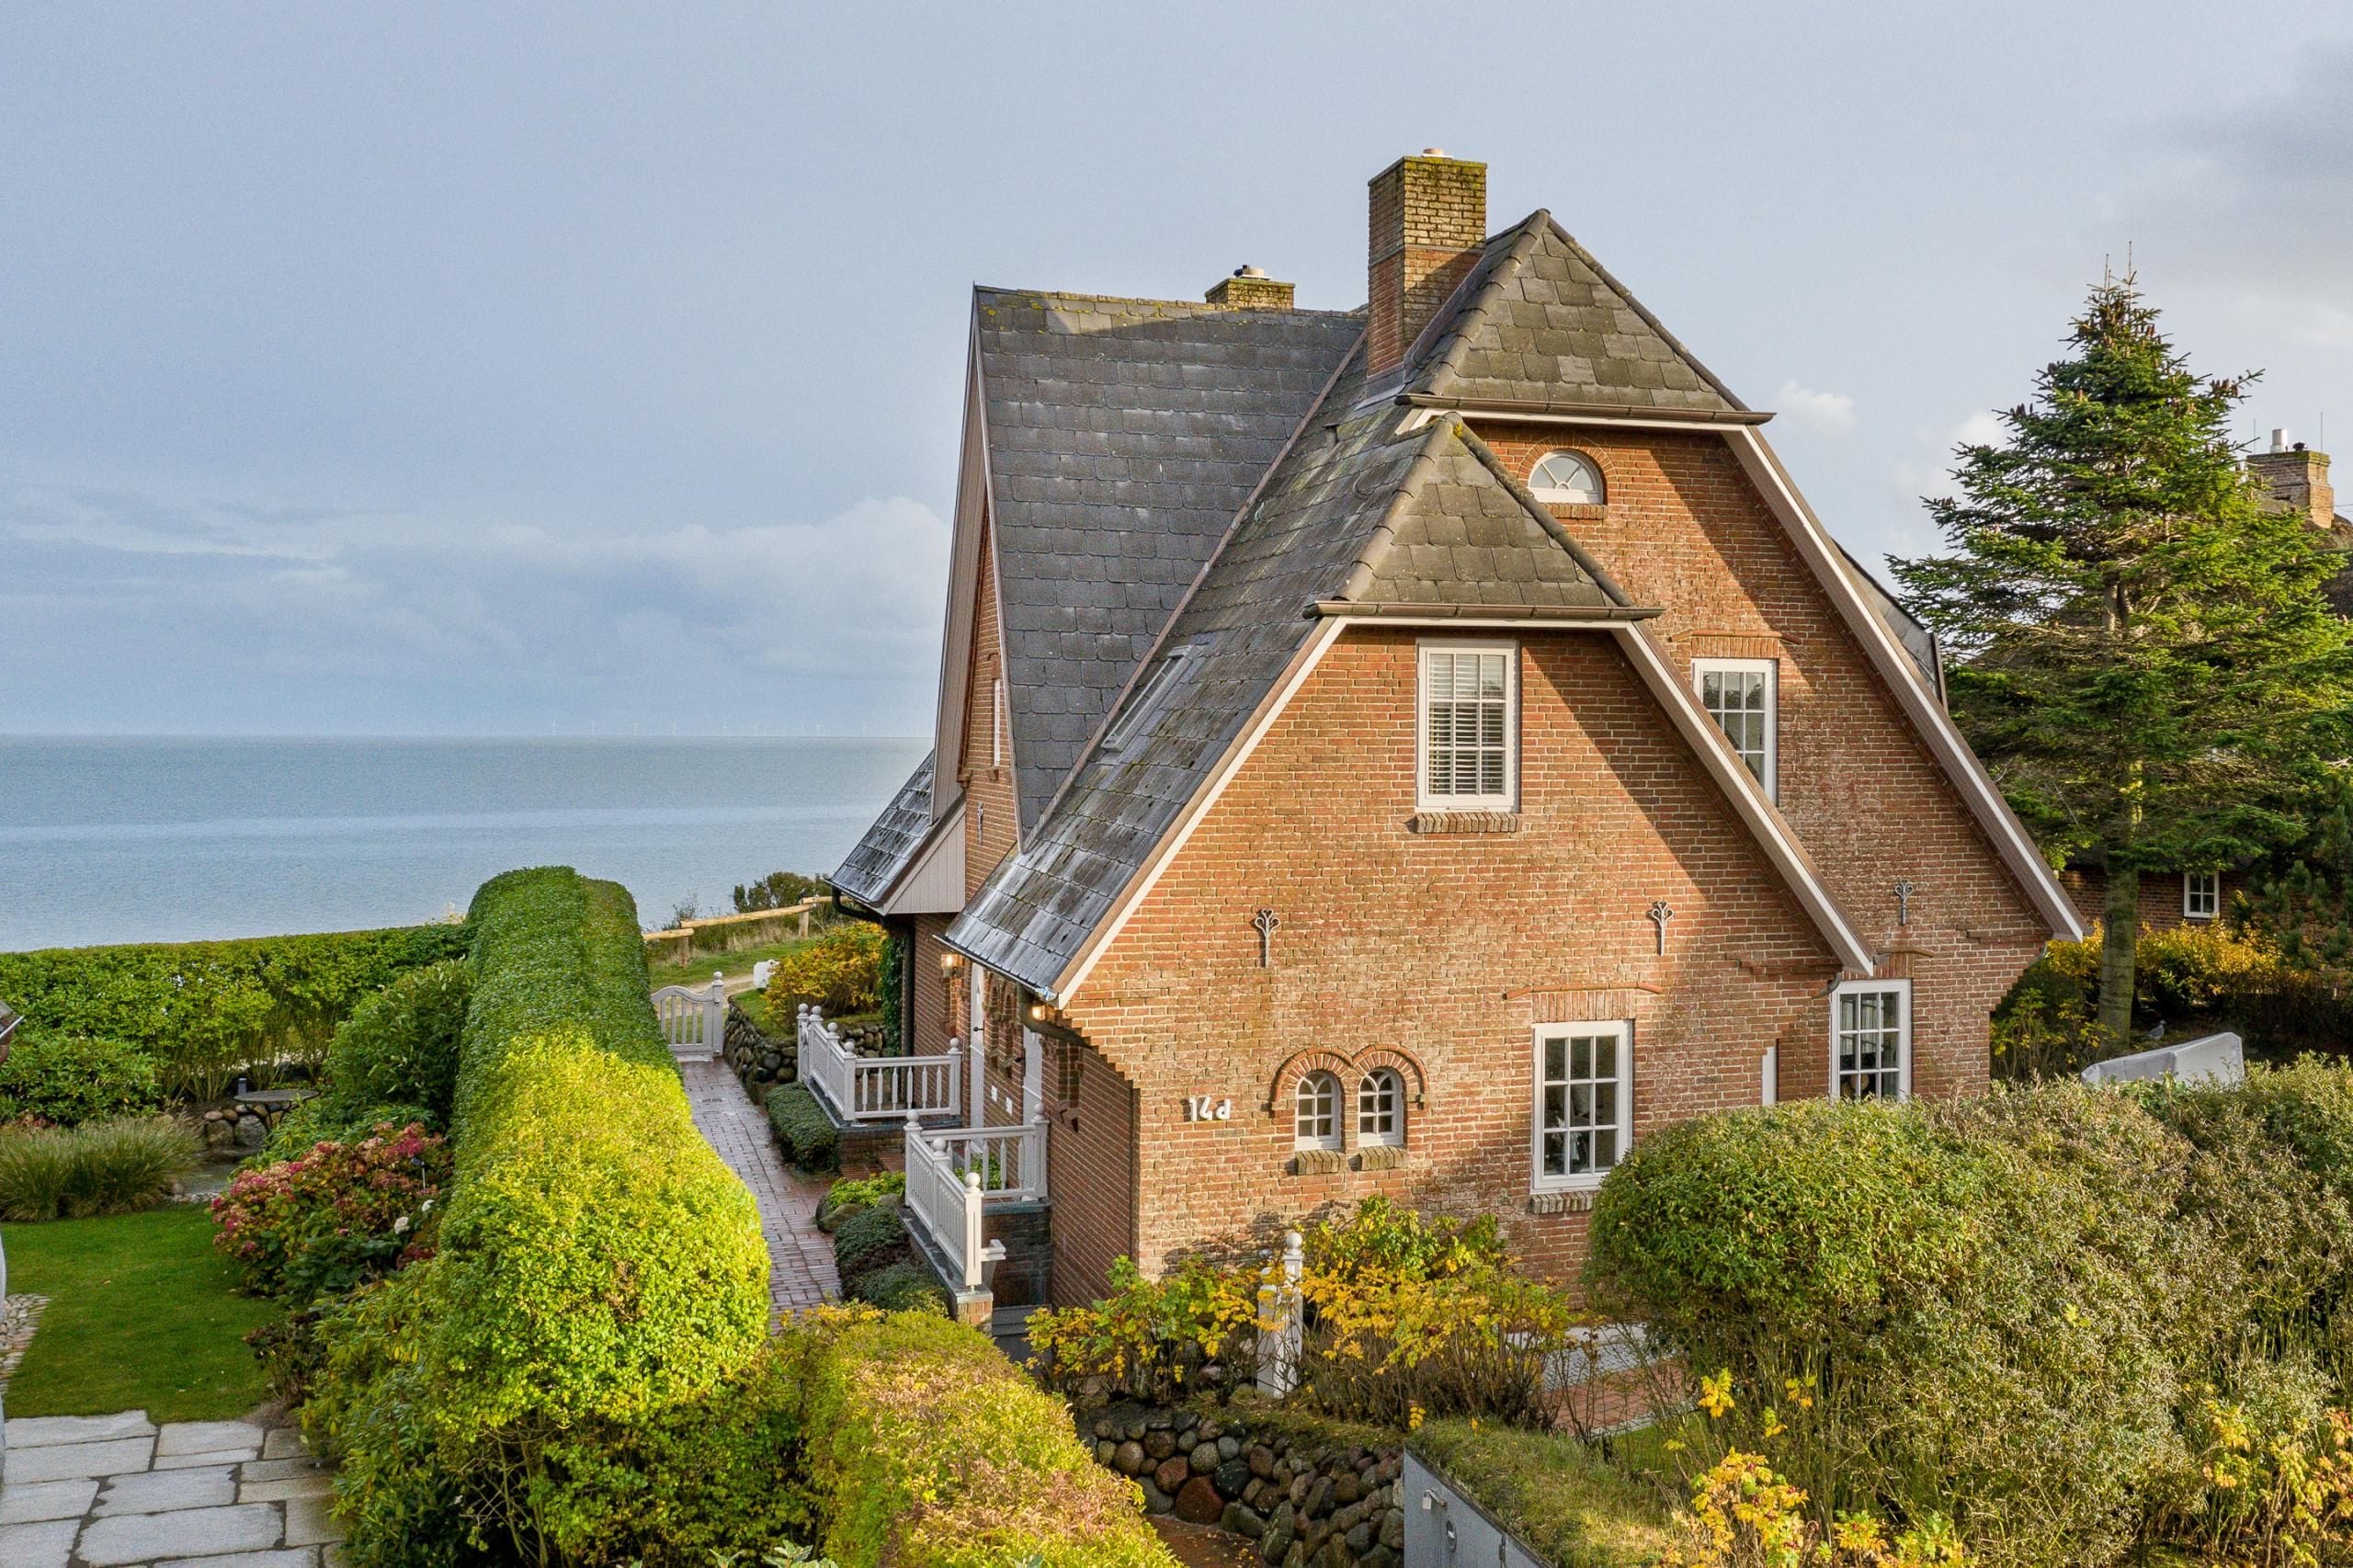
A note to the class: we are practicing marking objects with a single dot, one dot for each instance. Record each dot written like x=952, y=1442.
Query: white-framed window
x=1742, y=696
x=1585, y=1102
x=1318, y=1123
x=2201, y=894
x=1870, y=1040
x=1566, y=479
x=1469, y=730
x=1380, y=1110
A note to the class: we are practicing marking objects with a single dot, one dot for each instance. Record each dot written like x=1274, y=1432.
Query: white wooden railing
x=693, y=1018
x=1010, y=1161
x=948, y=1203
x=877, y=1089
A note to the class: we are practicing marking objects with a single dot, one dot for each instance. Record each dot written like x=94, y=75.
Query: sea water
x=167, y=839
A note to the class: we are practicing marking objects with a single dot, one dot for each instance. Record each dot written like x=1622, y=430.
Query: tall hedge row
x=206, y=1010
x=599, y=1272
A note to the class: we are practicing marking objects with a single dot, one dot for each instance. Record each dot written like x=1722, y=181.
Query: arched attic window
x=1566, y=479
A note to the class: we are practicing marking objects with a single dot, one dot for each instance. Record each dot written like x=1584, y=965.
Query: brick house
x=1417, y=750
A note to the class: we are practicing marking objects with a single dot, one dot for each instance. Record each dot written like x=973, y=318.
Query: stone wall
x=1306, y=1498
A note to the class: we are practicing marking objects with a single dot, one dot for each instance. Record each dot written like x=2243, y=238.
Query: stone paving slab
x=161, y=1490
x=800, y=1256
x=119, y=1539
x=46, y=1500
x=60, y=1461
x=41, y=1431
x=285, y=1443
x=206, y=1436
x=206, y=1461
x=287, y=1490
x=304, y=1557
x=48, y=1545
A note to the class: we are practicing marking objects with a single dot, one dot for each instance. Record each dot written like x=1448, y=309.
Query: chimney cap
x=1249, y=272
x=1432, y=152
x=2279, y=438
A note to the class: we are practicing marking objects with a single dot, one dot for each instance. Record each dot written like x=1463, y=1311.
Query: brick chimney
x=1250, y=289
x=1429, y=219
x=2297, y=479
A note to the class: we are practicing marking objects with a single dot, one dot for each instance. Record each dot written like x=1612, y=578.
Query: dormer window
x=1566, y=479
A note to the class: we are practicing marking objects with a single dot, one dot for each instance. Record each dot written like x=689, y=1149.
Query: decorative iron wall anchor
x=1264, y=921
x=1904, y=902
x=1659, y=916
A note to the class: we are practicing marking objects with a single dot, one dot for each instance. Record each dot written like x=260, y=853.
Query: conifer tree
x=2144, y=655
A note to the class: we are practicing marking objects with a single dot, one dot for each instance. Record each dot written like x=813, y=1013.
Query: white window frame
x=996, y=724
x=1771, y=670
x=1424, y=799
x=1393, y=1137
x=1902, y=989
x=2190, y=890
x=1620, y=1030
x=1554, y=496
x=1333, y=1139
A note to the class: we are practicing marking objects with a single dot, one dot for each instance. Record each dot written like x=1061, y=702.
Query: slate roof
x=883, y=854
x=1360, y=509
x=1123, y=436
x=1539, y=321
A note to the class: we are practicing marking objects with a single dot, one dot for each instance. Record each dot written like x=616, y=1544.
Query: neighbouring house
x=2298, y=479
x=1420, y=750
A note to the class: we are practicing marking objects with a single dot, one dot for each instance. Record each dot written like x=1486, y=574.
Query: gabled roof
x=891, y=841
x=1122, y=436
x=1539, y=323
x=1368, y=512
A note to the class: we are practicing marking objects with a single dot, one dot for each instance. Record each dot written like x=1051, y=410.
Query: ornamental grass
x=104, y=1167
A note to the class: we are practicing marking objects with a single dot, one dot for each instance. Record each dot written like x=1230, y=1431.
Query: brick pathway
x=800, y=1256
x=111, y=1490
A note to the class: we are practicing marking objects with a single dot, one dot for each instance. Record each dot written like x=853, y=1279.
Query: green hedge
x=927, y=1448
x=2007, y=1302
x=206, y=1011
x=1554, y=1491
x=597, y=1267
x=803, y=1130
x=72, y=1079
x=870, y=1240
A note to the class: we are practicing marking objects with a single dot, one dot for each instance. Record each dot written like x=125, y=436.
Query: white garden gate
x=694, y=1019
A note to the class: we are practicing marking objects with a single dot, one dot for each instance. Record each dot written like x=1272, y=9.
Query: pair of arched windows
x=1380, y=1111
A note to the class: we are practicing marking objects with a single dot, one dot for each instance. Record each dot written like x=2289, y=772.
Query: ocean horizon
x=160, y=838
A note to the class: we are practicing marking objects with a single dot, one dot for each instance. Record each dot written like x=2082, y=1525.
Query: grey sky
x=490, y=368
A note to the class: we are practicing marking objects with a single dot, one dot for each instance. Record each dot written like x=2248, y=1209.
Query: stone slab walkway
x=114, y=1491
x=800, y=1256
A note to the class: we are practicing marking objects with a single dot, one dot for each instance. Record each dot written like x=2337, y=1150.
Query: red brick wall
x=990, y=812
x=2160, y=894
x=1091, y=1113
x=1446, y=949
x=1682, y=529
x=933, y=994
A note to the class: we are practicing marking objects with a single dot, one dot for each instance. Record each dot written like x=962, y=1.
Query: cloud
x=1932, y=475
x=1826, y=414
x=756, y=619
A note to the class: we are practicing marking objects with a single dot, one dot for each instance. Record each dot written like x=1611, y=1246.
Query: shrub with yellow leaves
x=1744, y=1514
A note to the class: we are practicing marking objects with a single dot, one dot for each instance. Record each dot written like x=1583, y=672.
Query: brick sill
x=1451, y=823
x=1571, y=1200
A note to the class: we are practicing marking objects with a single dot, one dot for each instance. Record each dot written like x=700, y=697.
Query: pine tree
x=2144, y=656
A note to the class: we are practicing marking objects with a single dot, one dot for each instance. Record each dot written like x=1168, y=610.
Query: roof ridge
x=1200, y=306
x=1436, y=378
x=1544, y=515
x=1644, y=311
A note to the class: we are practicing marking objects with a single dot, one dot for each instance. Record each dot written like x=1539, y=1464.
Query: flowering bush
x=1403, y=1316
x=1745, y=1516
x=338, y=1217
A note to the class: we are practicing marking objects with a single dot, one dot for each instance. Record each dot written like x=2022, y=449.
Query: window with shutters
x=1469, y=729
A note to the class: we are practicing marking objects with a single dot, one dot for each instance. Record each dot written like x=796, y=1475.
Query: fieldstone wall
x=1308, y=1502
x=755, y=1059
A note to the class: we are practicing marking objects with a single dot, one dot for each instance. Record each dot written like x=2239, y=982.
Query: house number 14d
x=1207, y=1107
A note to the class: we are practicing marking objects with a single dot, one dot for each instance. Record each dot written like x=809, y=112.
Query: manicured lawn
x=142, y=1313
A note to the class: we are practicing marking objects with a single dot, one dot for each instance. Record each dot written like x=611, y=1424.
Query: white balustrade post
x=974, y=1211
x=714, y=1013
x=1033, y=1156
x=1281, y=1335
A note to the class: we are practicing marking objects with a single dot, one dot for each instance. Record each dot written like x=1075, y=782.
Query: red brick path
x=800, y=1256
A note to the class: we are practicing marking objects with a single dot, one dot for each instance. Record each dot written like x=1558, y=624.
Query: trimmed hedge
x=1554, y=1491
x=207, y=1010
x=926, y=1449
x=870, y=1239
x=71, y=1078
x=598, y=1266
x=899, y=1287
x=803, y=1130
x=400, y=1046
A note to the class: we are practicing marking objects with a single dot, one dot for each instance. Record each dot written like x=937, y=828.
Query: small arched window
x=1381, y=1110
x=1566, y=479
x=1318, y=1125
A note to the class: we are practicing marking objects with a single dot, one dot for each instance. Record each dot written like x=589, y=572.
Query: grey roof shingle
x=890, y=842
x=1123, y=436
x=1361, y=508
x=1538, y=321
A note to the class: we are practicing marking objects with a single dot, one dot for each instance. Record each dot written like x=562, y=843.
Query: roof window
x=1150, y=699
x=1566, y=479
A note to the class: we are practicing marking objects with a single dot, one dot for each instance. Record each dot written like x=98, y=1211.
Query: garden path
x=111, y=1490
x=800, y=1256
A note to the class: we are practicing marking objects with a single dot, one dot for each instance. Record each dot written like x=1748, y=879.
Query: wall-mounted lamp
x=951, y=963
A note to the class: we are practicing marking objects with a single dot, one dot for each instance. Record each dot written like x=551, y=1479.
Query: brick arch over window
x=1283, y=1093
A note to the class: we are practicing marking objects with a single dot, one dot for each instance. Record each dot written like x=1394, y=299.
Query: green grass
x=697, y=970
x=143, y=1315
